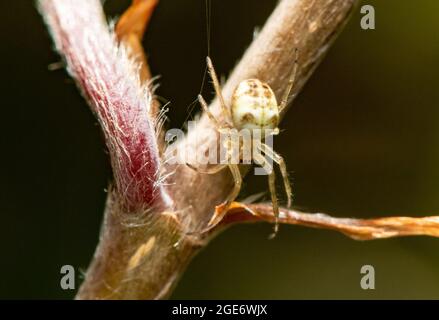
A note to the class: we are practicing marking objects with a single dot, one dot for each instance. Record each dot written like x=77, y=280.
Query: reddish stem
x=110, y=82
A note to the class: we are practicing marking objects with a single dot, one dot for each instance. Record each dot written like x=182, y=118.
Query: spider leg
x=207, y=111
x=218, y=126
x=260, y=159
x=212, y=170
x=272, y=187
x=237, y=178
x=226, y=112
x=283, y=169
x=290, y=85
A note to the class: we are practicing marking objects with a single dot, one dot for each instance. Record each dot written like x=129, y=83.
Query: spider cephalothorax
x=254, y=107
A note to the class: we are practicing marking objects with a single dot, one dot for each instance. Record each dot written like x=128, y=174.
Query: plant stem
x=144, y=246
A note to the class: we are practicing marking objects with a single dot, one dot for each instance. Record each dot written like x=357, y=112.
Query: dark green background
x=361, y=140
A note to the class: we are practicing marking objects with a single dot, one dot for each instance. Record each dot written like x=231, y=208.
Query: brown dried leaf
x=358, y=229
x=131, y=28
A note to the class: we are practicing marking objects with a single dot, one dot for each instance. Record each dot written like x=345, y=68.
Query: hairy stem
x=109, y=80
x=144, y=246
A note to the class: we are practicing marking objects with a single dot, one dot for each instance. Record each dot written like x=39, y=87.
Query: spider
x=253, y=106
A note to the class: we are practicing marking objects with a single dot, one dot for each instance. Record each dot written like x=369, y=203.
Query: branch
x=109, y=81
x=307, y=25
x=144, y=247
x=358, y=229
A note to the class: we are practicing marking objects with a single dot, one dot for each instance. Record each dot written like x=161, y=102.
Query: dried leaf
x=358, y=229
x=131, y=28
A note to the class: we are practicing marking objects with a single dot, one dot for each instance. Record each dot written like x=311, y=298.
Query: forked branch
x=144, y=246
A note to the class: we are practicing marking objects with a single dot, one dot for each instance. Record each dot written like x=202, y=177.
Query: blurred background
x=361, y=140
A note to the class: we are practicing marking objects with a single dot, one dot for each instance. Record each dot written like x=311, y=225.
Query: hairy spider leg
x=260, y=159
x=269, y=152
x=234, y=169
x=226, y=112
x=290, y=85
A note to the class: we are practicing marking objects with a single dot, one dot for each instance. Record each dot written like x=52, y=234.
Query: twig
x=358, y=229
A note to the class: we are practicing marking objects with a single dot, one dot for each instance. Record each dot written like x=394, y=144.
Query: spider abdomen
x=254, y=106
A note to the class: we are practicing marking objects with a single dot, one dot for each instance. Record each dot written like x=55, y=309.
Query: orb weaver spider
x=254, y=106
